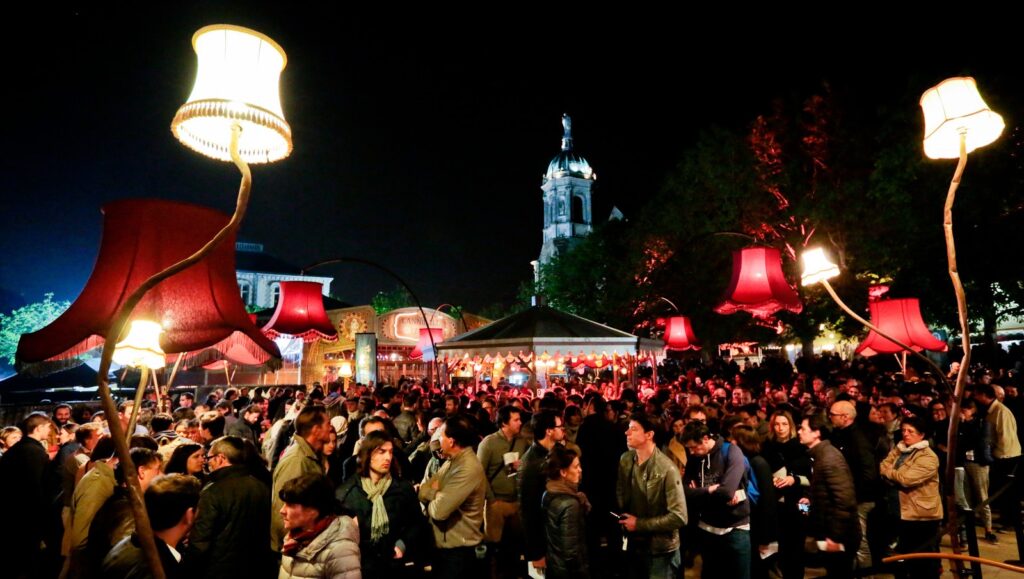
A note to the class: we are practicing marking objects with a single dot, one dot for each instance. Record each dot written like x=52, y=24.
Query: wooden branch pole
x=139, y=393
x=174, y=372
x=965, y=339
x=138, y=506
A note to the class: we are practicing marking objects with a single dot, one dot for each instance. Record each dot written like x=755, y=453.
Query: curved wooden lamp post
x=233, y=114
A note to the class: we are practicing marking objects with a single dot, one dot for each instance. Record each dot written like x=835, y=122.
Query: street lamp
x=956, y=122
x=140, y=349
x=233, y=114
x=818, y=268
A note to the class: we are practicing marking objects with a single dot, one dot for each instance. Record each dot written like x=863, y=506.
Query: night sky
x=420, y=139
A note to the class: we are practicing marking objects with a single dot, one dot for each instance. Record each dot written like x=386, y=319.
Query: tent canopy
x=544, y=330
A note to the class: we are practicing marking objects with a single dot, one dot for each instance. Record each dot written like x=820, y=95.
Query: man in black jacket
x=859, y=454
x=833, y=501
x=232, y=529
x=548, y=430
x=601, y=444
x=21, y=484
x=171, y=502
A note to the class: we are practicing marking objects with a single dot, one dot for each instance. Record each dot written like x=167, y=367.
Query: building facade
x=260, y=275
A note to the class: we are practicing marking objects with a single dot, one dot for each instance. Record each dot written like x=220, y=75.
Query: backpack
x=753, y=493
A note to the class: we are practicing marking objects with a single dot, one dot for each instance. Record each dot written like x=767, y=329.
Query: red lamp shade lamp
x=199, y=308
x=758, y=285
x=300, y=314
x=901, y=319
x=679, y=334
x=423, y=347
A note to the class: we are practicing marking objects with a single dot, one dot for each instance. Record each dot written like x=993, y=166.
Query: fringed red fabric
x=198, y=308
x=901, y=319
x=758, y=285
x=300, y=314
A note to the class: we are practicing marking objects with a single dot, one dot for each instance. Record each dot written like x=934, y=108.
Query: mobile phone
x=617, y=515
x=804, y=507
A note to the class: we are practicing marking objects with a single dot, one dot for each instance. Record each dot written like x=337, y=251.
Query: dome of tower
x=568, y=163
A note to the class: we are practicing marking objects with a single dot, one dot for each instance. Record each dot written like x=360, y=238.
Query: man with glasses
x=548, y=430
x=859, y=454
x=232, y=526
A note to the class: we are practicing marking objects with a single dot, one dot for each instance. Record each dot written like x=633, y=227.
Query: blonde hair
x=771, y=425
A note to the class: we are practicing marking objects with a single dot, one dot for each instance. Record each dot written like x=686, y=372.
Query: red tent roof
x=199, y=308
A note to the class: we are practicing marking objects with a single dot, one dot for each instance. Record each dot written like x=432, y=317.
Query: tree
x=397, y=298
x=25, y=320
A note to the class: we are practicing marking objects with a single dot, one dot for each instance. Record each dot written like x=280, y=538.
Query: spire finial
x=566, y=132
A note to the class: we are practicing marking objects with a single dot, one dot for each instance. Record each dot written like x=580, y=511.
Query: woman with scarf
x=913, y=468
x=389, y=515
x=565, y=509
x=321, y=543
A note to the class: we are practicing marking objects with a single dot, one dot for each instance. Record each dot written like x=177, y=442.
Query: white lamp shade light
x=952, y=107
x=141, y=347
x=817, y=267
x=346, y=370
x=236, y=82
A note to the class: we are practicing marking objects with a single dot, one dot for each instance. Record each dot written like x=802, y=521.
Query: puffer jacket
x=917, y=479
x=660, y=508
x=333, y=554
x=566, y=537
x=833, y=498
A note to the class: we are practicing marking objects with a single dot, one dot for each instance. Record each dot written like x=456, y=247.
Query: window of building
x=245, y=288
x=275, y=292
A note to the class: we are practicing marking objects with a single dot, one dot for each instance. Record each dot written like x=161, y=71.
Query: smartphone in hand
x=617, y=515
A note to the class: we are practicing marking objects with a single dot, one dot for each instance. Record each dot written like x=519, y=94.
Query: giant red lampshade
x=679, y=334
x=758, y=285
x=300, y=313
x=199, y=308
x=423, y=349
x=901, y=319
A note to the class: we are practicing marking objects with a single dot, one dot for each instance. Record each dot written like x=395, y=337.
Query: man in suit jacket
x=21, y=484
x=171, y=501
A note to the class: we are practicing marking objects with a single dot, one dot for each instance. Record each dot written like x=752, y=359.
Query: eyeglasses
x=836, y=414
x=212, y=456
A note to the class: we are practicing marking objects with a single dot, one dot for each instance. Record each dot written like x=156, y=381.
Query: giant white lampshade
x=141, y=347
x=236, y=83
x=952, y=107
x=817, y=267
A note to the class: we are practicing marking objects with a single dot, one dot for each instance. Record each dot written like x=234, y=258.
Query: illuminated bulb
x=141, y=347
x=817, y=267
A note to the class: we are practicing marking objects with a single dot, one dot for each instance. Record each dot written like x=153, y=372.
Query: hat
x=339, y=424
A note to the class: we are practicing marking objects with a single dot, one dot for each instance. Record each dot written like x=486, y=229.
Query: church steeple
x=566, y=193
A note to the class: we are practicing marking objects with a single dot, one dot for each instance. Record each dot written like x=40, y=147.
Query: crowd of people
x=755, y=473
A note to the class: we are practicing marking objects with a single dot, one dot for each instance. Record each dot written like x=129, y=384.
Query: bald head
x=843, y=413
